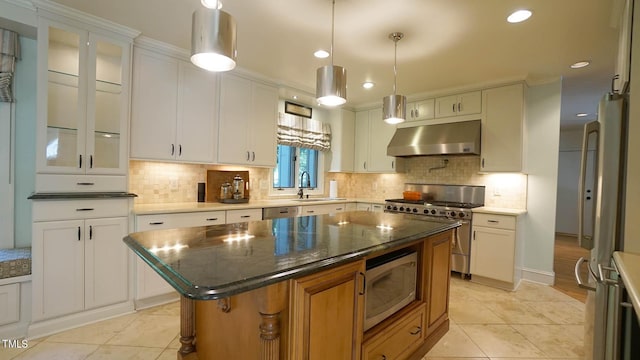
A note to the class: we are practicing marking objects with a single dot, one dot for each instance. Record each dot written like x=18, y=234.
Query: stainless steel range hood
x=442, y=139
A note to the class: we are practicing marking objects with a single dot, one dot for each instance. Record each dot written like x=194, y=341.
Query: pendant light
x=213, y=38
x=394, y=107
x=331, y=80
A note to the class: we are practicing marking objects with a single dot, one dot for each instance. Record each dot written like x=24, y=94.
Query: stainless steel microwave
x=391, y=285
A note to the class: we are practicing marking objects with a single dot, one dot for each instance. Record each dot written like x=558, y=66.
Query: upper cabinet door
x=153, y=112
x=248, y=119
x=83, y=101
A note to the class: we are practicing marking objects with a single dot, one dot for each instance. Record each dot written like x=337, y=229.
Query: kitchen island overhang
x=218, y=262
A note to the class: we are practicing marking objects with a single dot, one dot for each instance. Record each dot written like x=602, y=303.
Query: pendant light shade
x=394, y=107
x=213, y=40
x=331, y=80
x=331, y=85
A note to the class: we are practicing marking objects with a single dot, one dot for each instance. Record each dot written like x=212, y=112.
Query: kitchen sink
x=319, y=199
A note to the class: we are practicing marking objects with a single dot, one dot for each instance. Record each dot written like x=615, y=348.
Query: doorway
x=566, y=248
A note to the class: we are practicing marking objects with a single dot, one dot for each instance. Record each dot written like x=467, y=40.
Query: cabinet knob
x=417, y=113
x=180, y=150
x=416, y=331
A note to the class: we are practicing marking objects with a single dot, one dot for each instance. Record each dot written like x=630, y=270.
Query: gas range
x=449, y=210
x=451, y=202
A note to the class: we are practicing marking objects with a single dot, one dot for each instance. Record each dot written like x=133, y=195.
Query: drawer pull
x=384, y=357
x=493, y=221
x=156, y=223
x=85, y=209
x=417, y=331
x=212, y=219
x=338, y=209
x=245, y=216
x=85, y=183
x=284, y=212
x=311, y=211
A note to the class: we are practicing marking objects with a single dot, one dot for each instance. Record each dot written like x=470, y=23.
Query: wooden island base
x=321, y=316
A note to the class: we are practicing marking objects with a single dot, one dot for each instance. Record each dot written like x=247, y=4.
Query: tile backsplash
x=157, y=182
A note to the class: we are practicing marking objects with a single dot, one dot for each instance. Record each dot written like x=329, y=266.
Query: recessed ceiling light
x=367, y=84
x=581, y=114
x=580, y=64
x=519, y=16
x=295, y=97
x=321, y=54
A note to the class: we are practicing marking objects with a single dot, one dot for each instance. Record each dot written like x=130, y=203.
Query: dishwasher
x=280, y=212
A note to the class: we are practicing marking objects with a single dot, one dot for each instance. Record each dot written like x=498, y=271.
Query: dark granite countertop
x=213, y=262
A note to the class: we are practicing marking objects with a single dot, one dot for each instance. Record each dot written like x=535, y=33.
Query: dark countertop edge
x=197, y=292
x=80, y=195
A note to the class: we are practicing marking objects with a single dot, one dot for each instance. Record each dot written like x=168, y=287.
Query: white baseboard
x=14, y=331
x=156, y=300
x=542, y=277
x=52, y=326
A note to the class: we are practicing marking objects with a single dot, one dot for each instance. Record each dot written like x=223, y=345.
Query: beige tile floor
x=534, y=322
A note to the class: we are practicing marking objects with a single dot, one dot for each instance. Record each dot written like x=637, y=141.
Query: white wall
x=25, y=163
x=6, y=175
x=543, y=132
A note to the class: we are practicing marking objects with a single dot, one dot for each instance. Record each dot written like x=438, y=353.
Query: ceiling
x=447, y=45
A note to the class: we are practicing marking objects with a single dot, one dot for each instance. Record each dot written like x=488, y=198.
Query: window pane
x=309, y=163
x=284, y=172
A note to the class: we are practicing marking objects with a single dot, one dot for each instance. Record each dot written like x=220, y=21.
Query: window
x=297, y=167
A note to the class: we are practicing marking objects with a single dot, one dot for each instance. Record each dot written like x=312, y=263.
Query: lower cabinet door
x=106, y=262
x=58, y=268
x=492, y=253
x=327, y=314
x=398, y=341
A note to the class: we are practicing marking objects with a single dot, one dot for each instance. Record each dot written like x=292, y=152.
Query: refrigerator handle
x=585, y=241
x=576, y=270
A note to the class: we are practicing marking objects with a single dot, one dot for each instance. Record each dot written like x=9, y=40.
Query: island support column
x=187, y=328
x=272, y=302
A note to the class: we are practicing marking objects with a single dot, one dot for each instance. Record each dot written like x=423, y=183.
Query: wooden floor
x=567, y=252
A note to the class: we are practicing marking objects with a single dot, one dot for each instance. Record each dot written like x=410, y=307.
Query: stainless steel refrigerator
x=607, y=137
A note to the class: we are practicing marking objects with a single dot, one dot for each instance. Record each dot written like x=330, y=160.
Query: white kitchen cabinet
x=321, y=209
x=243, y=215
x=248, y=119
x=83, y=107
x=371, y=140
x=502, y=129
x=148, y=283
x=370, y=207
x=341, y=156
x=495, y=250
x=421, y=110
x=80, y=262
x=458, y=105
x=9, y=303
x=174, y=109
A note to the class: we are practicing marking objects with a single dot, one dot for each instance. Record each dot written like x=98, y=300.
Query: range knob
x=401, y=208
x=408, y=210
x=461, y=214
x=433, y=211
x=453, y=214
x=415, y=210
x=426, y=211
x=395, y=208
x=389, y=207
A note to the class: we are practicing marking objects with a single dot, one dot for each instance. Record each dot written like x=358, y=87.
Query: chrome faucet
x=300, y=192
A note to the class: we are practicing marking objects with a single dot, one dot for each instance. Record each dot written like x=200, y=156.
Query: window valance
x=9, y=52
x=302, y=132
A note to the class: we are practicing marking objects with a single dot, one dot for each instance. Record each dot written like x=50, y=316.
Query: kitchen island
x=294, y=288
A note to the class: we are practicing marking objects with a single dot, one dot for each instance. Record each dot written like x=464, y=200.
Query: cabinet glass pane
x=62, y=101
x=108, y=98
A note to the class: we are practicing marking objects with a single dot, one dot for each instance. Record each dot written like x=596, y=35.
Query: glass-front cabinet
x=83, y=110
